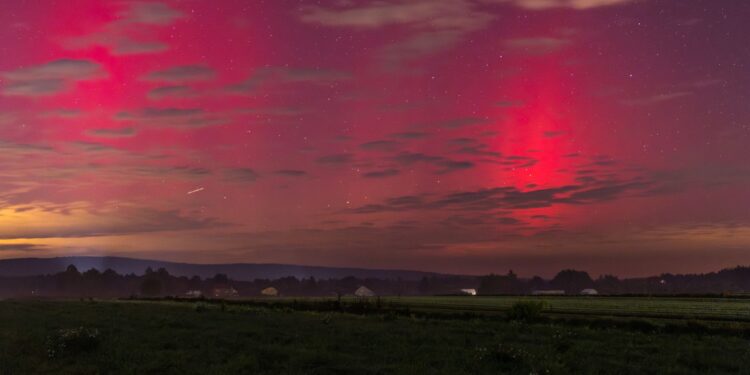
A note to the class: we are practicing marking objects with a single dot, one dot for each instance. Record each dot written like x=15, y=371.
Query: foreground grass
x=178, y=338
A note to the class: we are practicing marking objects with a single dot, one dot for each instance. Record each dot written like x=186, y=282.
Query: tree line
x=158, y=283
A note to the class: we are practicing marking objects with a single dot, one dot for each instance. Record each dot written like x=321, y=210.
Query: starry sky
x=460, y=136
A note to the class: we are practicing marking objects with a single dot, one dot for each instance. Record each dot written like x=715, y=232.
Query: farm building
x=469, y=292
x=228, y=292
x=553, y=292
x=363, y=291
x=589, y=292
x=194, y=294
x=270, y=292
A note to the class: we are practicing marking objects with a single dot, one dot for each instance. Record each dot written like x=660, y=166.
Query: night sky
x=462, y=136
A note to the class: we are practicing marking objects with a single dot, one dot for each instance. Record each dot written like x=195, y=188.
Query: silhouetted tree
x=572, y=281
x=151, y=287
x=497, y=284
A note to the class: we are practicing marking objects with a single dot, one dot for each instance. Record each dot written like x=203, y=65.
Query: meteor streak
x=195, y=191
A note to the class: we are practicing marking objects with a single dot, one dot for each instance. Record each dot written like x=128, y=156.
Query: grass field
x=136, y=337
x=728, y=309
x=715, y=311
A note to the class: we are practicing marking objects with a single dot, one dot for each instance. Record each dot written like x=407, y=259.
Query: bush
x=71, y=341
x=526, y=311
x=509, y=355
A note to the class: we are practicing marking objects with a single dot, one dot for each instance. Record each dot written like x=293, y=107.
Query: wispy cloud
x=554, y=4
x=436, y=25
x=271, y=76
x=50, y=78
x=181, y=74
x=536, y=45
x=125, y=34
x=655, y=99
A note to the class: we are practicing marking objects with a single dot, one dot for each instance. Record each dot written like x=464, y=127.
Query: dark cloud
x=604, y=193
x=13, y=148
x=180, y=117
x=112, y=133
x=382, y=173
x=274, y=111
x=517, y=161
x=241, y=175
x=461, y=122
x=453, y=165
x=411, y=135
x=479, y=150
x=151, y=113
x=657, y=98
x=408, y=158
x=271, y=76
x=397, y=54
x=181, y=74
x=125, y=34
x=540, y=5
x=34, y=88
x=537, y=45
x=21, y=247
x=165, y=92
x=447, y=22
x=291, y=172
x=127, y=46
x=336, y=159
x=68, y=113
x=400, y=203
x=50, y=78
x=149, y=13
x=510, y=103
x=123, y=221
x=87, y=146
x=511, y=198
x=463, y=141
x=445, y=165
x=161, y=171
x=380, y=145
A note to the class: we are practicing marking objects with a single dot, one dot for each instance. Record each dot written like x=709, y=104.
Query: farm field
x=717, y=309
x=166, y=337
x=729, y=309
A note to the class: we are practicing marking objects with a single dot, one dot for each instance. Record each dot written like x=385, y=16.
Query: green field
x=729, y=309
x=243, y=337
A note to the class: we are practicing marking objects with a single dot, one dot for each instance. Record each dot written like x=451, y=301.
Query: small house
x=270, y=292
x=469, y=292
x=363, y=291
x=194, y=294
x=228, y=292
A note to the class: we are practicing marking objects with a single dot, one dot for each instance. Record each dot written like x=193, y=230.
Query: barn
x=269, y=292
x=363, y=291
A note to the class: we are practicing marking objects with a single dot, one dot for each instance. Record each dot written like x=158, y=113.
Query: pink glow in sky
x=464, y=136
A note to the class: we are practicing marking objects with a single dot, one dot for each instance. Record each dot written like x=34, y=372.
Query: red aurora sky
x=464, y=136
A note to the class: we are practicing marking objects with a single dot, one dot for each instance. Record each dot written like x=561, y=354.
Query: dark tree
x=151, y=287
x=572, y=281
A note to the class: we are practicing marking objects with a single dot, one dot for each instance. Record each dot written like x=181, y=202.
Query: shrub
x=509, y=355
x=71, y=341
x=526, y=311
x=511, y=359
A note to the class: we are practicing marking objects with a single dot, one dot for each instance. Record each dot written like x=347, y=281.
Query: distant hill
x=237, y=271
